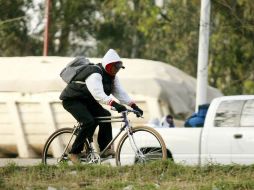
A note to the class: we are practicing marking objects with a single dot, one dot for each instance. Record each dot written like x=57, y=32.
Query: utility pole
x=203, y=49
x=46, y=28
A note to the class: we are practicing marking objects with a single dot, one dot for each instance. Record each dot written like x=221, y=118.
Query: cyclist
x=84, y=101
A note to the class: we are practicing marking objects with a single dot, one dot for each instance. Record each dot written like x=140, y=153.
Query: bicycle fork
x=62, y=156
x=138, y=153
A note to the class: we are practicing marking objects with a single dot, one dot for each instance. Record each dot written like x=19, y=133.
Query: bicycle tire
x=59, y=139
x=148, y=141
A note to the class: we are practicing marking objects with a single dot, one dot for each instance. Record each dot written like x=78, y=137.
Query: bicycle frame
x=111, y=119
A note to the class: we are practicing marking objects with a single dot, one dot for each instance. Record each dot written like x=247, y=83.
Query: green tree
x=141, y=29
x=14, y=37
x=232, y=46
x=122, y=26
x=173, y=37
x=71, y=25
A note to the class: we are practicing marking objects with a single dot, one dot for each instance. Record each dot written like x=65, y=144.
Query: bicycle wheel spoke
x=144, y=145
x=53, y=152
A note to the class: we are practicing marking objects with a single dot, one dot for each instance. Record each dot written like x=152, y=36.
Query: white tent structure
x=30, y=86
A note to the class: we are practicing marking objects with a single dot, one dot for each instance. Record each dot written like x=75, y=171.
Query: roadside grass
x=152, y=176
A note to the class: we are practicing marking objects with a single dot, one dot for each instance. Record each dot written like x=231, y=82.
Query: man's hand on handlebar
x=139, y=112
x=119, y=107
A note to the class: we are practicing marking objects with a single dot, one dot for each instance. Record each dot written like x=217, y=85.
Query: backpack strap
x=79, y=82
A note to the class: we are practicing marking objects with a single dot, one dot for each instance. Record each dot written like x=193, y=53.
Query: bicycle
x=137, y=145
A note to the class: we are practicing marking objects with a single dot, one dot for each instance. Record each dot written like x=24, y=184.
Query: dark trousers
x=84, y=112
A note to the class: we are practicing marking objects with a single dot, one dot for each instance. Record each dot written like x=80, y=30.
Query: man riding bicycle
x=82, y=99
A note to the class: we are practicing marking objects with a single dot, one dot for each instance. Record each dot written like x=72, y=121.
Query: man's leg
x=81, y=113
x=105, y=129
x=105, y=133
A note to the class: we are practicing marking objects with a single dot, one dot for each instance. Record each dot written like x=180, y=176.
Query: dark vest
x=75, y=90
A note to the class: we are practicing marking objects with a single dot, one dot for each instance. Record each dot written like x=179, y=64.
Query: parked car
x=227, y=135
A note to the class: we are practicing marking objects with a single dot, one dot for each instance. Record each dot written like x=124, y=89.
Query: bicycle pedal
x=83, y=159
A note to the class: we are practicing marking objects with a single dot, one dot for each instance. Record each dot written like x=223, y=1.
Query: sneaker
x=75, y=158
x=108, y=152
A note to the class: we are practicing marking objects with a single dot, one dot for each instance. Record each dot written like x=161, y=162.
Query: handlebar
x=128, y=111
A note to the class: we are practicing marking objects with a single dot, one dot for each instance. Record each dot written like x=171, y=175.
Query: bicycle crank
x=93, y=158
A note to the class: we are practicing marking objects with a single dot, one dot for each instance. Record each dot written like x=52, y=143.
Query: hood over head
x=110, y=57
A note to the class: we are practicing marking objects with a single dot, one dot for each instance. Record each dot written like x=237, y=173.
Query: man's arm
x=95, y=87
x=124, y=98
x=120, y=93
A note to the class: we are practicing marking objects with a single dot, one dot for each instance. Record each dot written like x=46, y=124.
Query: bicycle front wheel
x=144, y=144
x=58, y=146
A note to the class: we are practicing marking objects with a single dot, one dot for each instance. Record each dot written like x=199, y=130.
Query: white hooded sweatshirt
x=95, y=86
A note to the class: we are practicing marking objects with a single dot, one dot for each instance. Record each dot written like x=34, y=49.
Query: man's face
x=169, y=119
x=115, y=68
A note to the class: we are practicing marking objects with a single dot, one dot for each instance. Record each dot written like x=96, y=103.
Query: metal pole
x=203, y=49
x=46, y=30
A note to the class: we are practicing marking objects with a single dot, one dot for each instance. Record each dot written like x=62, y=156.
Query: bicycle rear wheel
x=58, y=146
x=143, y=145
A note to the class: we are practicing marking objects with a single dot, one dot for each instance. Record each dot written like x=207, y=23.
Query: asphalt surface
x=36, y=161
x=19, y=161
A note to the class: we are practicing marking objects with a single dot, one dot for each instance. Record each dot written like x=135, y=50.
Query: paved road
x=34, y=162
x=19, y=161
